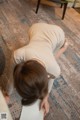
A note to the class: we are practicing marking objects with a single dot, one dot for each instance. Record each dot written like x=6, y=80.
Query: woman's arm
x=45, y=105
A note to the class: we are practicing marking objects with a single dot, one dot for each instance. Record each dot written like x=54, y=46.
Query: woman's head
x=31, y=81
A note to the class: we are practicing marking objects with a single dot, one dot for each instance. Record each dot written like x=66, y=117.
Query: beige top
x=4, y=108
x=44, y=40
x=32, y=112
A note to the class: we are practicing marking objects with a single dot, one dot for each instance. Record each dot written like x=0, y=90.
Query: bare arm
x=45, y=105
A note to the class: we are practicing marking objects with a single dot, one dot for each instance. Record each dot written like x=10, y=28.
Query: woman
x=47, y=43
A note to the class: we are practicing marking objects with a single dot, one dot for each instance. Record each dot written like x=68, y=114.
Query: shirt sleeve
x=19, y=55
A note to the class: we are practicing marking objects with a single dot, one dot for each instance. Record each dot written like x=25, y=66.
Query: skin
x=45, y=105
x=7, y=99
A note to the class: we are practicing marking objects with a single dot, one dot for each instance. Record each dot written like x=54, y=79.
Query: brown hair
x=31, y=81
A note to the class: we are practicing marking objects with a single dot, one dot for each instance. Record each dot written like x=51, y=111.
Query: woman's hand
x=45, y=105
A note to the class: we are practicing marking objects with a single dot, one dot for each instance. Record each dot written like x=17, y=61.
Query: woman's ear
x=50, y=76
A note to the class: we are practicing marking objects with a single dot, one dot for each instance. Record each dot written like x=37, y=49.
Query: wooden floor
x=16, y=16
